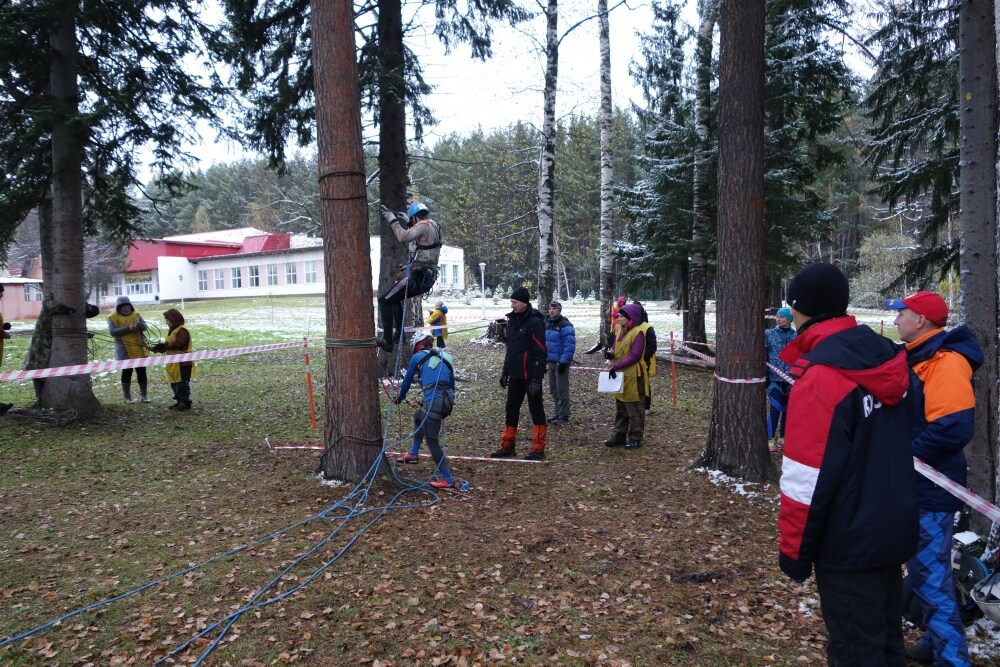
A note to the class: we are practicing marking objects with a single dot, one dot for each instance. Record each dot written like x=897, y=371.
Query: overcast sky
x=508, y=87
x=470, y=94
x=493, y=94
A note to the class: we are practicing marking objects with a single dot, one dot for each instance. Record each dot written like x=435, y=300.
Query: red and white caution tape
x=984, y=507
x=782, y=374
x=106, y=366
x=704, y=357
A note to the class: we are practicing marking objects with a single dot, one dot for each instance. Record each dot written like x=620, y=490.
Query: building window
x=27, y=292
x=309, y=268
x=237, y=278
x=290, y=275
x=254, y=272
x=454, y=273
x=118, y=287
x=220, y=279
x=202, y=280
x=272, y=275
x=443, y=273
x=140, y=288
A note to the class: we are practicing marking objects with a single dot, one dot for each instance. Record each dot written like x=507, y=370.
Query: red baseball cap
x=928, y=304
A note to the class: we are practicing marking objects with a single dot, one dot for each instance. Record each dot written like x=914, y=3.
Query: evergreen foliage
x=135, y=95
x=269, y=47
x=809, y=90
x=913, y=152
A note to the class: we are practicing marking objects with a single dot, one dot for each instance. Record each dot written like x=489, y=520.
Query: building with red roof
x=242, y=262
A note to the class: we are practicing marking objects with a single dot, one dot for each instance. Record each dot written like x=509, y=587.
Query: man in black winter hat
x=848, y=489
x=523, y=370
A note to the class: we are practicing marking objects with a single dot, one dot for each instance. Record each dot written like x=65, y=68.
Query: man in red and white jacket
x=848, y=487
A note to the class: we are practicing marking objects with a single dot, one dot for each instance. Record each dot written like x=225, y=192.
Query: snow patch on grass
x=752, y=490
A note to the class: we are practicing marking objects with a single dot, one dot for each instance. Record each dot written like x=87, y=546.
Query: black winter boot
x=616, y=440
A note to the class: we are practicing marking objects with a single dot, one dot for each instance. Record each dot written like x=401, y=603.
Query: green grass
x=597, y=543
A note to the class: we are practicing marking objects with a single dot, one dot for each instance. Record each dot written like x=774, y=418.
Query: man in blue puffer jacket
x=560, y=341
x=943, y=362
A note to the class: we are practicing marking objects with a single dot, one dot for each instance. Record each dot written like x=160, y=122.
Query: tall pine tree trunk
x=392, y=156
x=63, y=268
x=607, y=263
x=737, y=438
x=353, y=420
x=701, y=230
x=547, y=163
x=978, y=223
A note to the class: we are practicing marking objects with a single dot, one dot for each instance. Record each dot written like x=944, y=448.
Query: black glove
x=535, y=388
x=798, y=571
x=159, y=348
x=563, y=368
x=6, y=326
x=504, y=380
x=612, y=374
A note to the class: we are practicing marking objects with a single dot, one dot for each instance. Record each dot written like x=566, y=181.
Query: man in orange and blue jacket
x=943, y=362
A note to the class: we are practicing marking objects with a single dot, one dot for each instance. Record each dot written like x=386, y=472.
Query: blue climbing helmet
x=415, y=208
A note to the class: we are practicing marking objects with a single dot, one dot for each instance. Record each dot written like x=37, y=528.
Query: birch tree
x=607, y=265
x=547, y=160
x=736, y=433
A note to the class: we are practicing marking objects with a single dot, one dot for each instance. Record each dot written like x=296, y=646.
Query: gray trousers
x=559, y=388
x=630, y=418
x=430, y=429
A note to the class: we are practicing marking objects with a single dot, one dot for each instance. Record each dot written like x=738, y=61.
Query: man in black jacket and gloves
x=523, y=370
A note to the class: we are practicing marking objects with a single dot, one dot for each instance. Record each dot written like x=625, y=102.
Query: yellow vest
x=439, y=321
x=133, y=342
x=174, y=370
x=630, y=384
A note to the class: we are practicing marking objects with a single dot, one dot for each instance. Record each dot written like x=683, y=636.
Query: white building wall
x=296, y=272
x=289, y=274
x=451, y=266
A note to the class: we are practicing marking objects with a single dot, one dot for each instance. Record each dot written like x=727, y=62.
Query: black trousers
x=516, y=391
x=182, y=389
x=390, y=303
x=863, y=612
x=140, y=375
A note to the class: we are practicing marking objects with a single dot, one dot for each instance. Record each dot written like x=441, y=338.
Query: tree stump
x=497, y=331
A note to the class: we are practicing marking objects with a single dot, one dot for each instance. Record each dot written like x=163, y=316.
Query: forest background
x=857, y=172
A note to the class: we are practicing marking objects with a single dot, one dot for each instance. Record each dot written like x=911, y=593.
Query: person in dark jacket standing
x=560, y=342
x=523, y=370
x=848, y=488
x=943, y=363
x=775, y=340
